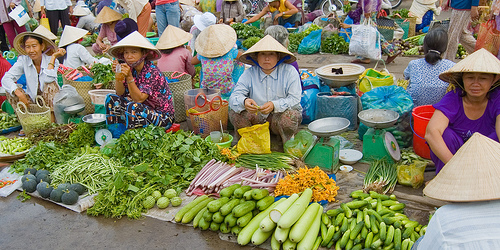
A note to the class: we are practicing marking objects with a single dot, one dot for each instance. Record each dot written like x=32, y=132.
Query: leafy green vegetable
x=296, y=38
x=103, y=74
x=152, y=160
x=249, y=42
x=83, y=135
x=244, y=31
x=335, y=44
x=403, y=13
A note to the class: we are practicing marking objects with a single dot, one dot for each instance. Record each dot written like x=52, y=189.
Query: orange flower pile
x=229, y=153
x=323, y=187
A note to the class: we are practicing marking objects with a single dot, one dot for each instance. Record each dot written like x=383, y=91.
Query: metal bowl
x=351, y=73
x=75, y=109
x=95, y=119
x=378, y=118
x=328, y=126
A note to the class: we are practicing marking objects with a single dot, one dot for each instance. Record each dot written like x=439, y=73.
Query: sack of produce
x=255, y=139
x=412, y=175
x=298, y=145
x=311, y=43
x=66, y=97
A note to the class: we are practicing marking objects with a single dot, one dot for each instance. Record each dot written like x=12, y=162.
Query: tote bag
x=365, y=41
x=19, y=15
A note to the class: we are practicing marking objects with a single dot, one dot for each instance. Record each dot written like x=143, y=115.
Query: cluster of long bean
x=91, y=169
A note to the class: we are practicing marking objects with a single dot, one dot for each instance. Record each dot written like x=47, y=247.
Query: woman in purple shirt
x=473, y=107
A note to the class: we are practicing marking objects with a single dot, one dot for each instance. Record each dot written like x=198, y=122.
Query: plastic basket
x=405, y=25
x=179, y=83
x=98, y=96
x=35, y=116
x=209, y=116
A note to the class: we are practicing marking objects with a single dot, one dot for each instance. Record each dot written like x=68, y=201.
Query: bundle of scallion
x=381, y=177
x=272, y=161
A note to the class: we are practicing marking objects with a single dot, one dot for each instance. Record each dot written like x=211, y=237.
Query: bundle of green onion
x=381, y=177
x=272, y=161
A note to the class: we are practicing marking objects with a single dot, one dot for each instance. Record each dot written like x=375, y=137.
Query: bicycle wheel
x=330, y=6
x=395, y=3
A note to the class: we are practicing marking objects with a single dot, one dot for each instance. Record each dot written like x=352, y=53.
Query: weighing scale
x=73, y=111
x=98, y=121
x=378, y=143
x=325, y=154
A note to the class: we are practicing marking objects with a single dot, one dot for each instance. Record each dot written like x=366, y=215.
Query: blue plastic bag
x=310, y=89
x=311, y=43
x=393, y=98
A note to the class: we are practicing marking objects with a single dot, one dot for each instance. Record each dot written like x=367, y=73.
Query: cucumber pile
x=370, y=221
x=8, y=121
x=230, y=213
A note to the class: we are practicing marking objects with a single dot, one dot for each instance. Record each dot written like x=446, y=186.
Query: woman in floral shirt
x=143, y=96
x=217, y=53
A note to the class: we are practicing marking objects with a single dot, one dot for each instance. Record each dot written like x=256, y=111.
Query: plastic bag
x=66, y=97
x=412, y=175
x=255, y=139
x=488, y=37
x=344, y=143
x=20, y=15
x=311, y=43
x=5, y=175
x=372, y=78
x=299, y=144
x=310, y=89
x=329, y=105
x=365, y=41
x=44, y=21
x=329, y=30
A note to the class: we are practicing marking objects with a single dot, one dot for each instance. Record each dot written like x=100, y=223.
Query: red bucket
x=421, y=116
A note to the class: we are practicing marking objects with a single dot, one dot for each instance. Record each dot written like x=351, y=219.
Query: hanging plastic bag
x=66, y=97
x=299, y=144
x=45, y=22
x=19, y=15
x=255, y=139
x=365, y=41
x=372, y=78
x=310, y=89
x=311, y=43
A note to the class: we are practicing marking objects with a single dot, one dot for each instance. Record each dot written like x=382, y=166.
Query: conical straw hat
x=481, y=61
x=135, y=39
x=268, y=43
x=216, y=40
x=107, y=15
x=45, y=32
x=71, y=34
x=80, y=11
x=471, y=174
x=50, y=46
x=173, y=37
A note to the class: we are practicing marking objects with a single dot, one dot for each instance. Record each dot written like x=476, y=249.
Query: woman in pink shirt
x=174, y=55
x=108, y=18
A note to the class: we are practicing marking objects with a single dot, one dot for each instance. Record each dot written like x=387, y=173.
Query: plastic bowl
x=350, y=156
x=225, y=144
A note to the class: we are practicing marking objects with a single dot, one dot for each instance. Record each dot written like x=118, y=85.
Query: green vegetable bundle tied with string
x=381, y=177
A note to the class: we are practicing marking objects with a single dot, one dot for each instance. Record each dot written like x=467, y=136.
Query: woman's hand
x=251, y=106
x=106, y=48
x=12, y=5
x=60, y=52
x=22, y=97
x=126, y=71
x=345, y=26
x=267, y=108
x=220, y=21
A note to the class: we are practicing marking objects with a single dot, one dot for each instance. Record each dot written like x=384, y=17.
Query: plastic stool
x=174, y=128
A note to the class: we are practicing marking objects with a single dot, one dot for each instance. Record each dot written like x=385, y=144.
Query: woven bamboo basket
x=179, y=83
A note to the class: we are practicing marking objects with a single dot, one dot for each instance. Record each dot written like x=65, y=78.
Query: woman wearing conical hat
x=37, y=60
x=269, y=91
x=85, y=18
x=474, y=106
x=143, y=96
x=175, y=56
x=108, y=18
x=218, y=54
x=76, y=55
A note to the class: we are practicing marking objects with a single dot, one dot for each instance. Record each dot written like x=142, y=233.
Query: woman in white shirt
x=37, y=60
x=76, y=54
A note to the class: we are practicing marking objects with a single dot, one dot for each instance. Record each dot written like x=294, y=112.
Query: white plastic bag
x=67, y=96
x=19, y=15
x=5, y=175
x=365, y=41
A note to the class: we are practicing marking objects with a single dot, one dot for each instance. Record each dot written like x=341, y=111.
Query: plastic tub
x=421, y=117
x=225, y=144
x=98, y=96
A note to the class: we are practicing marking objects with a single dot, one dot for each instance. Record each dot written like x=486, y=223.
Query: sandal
x=367, y=61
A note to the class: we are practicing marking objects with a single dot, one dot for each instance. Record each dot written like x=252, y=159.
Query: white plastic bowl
x=350, y=156
x=346, y=168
